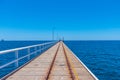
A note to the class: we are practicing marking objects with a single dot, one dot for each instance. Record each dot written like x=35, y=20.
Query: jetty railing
x=37, y=49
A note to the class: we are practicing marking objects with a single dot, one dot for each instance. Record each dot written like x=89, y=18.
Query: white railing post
x=16, y=55
x=28, y=53
x=36, y=50
x=45, y=46
x=40, y=49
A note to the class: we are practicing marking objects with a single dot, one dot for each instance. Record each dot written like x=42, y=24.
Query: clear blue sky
x=73, y=19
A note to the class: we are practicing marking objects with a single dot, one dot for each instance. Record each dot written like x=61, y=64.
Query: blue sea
x=5, y=58
x=101, y=57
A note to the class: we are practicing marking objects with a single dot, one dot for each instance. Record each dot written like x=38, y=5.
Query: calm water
x=4, y=45
x=5, y=58
x=101, y=57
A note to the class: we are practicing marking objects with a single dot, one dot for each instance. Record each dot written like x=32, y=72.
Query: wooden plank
x=39, y=67
x=60, y=69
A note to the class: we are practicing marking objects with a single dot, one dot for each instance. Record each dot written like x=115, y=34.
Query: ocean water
x=101, y=57
x=4, y=45
x=5, y=58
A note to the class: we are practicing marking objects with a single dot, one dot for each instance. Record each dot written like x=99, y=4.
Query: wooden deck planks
x=38, y=68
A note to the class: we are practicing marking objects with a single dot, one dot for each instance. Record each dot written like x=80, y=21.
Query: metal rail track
x=51, y=66
x=61, y=66
x=68, y=64
x=71, y=71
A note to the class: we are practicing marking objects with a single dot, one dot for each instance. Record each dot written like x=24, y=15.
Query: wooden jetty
x=57, y=63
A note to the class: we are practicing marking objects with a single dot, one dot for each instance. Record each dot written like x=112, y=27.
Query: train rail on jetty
x=57, y=63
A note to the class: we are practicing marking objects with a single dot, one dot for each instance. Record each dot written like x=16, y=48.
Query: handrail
x=12, y=50
x=38, y=48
